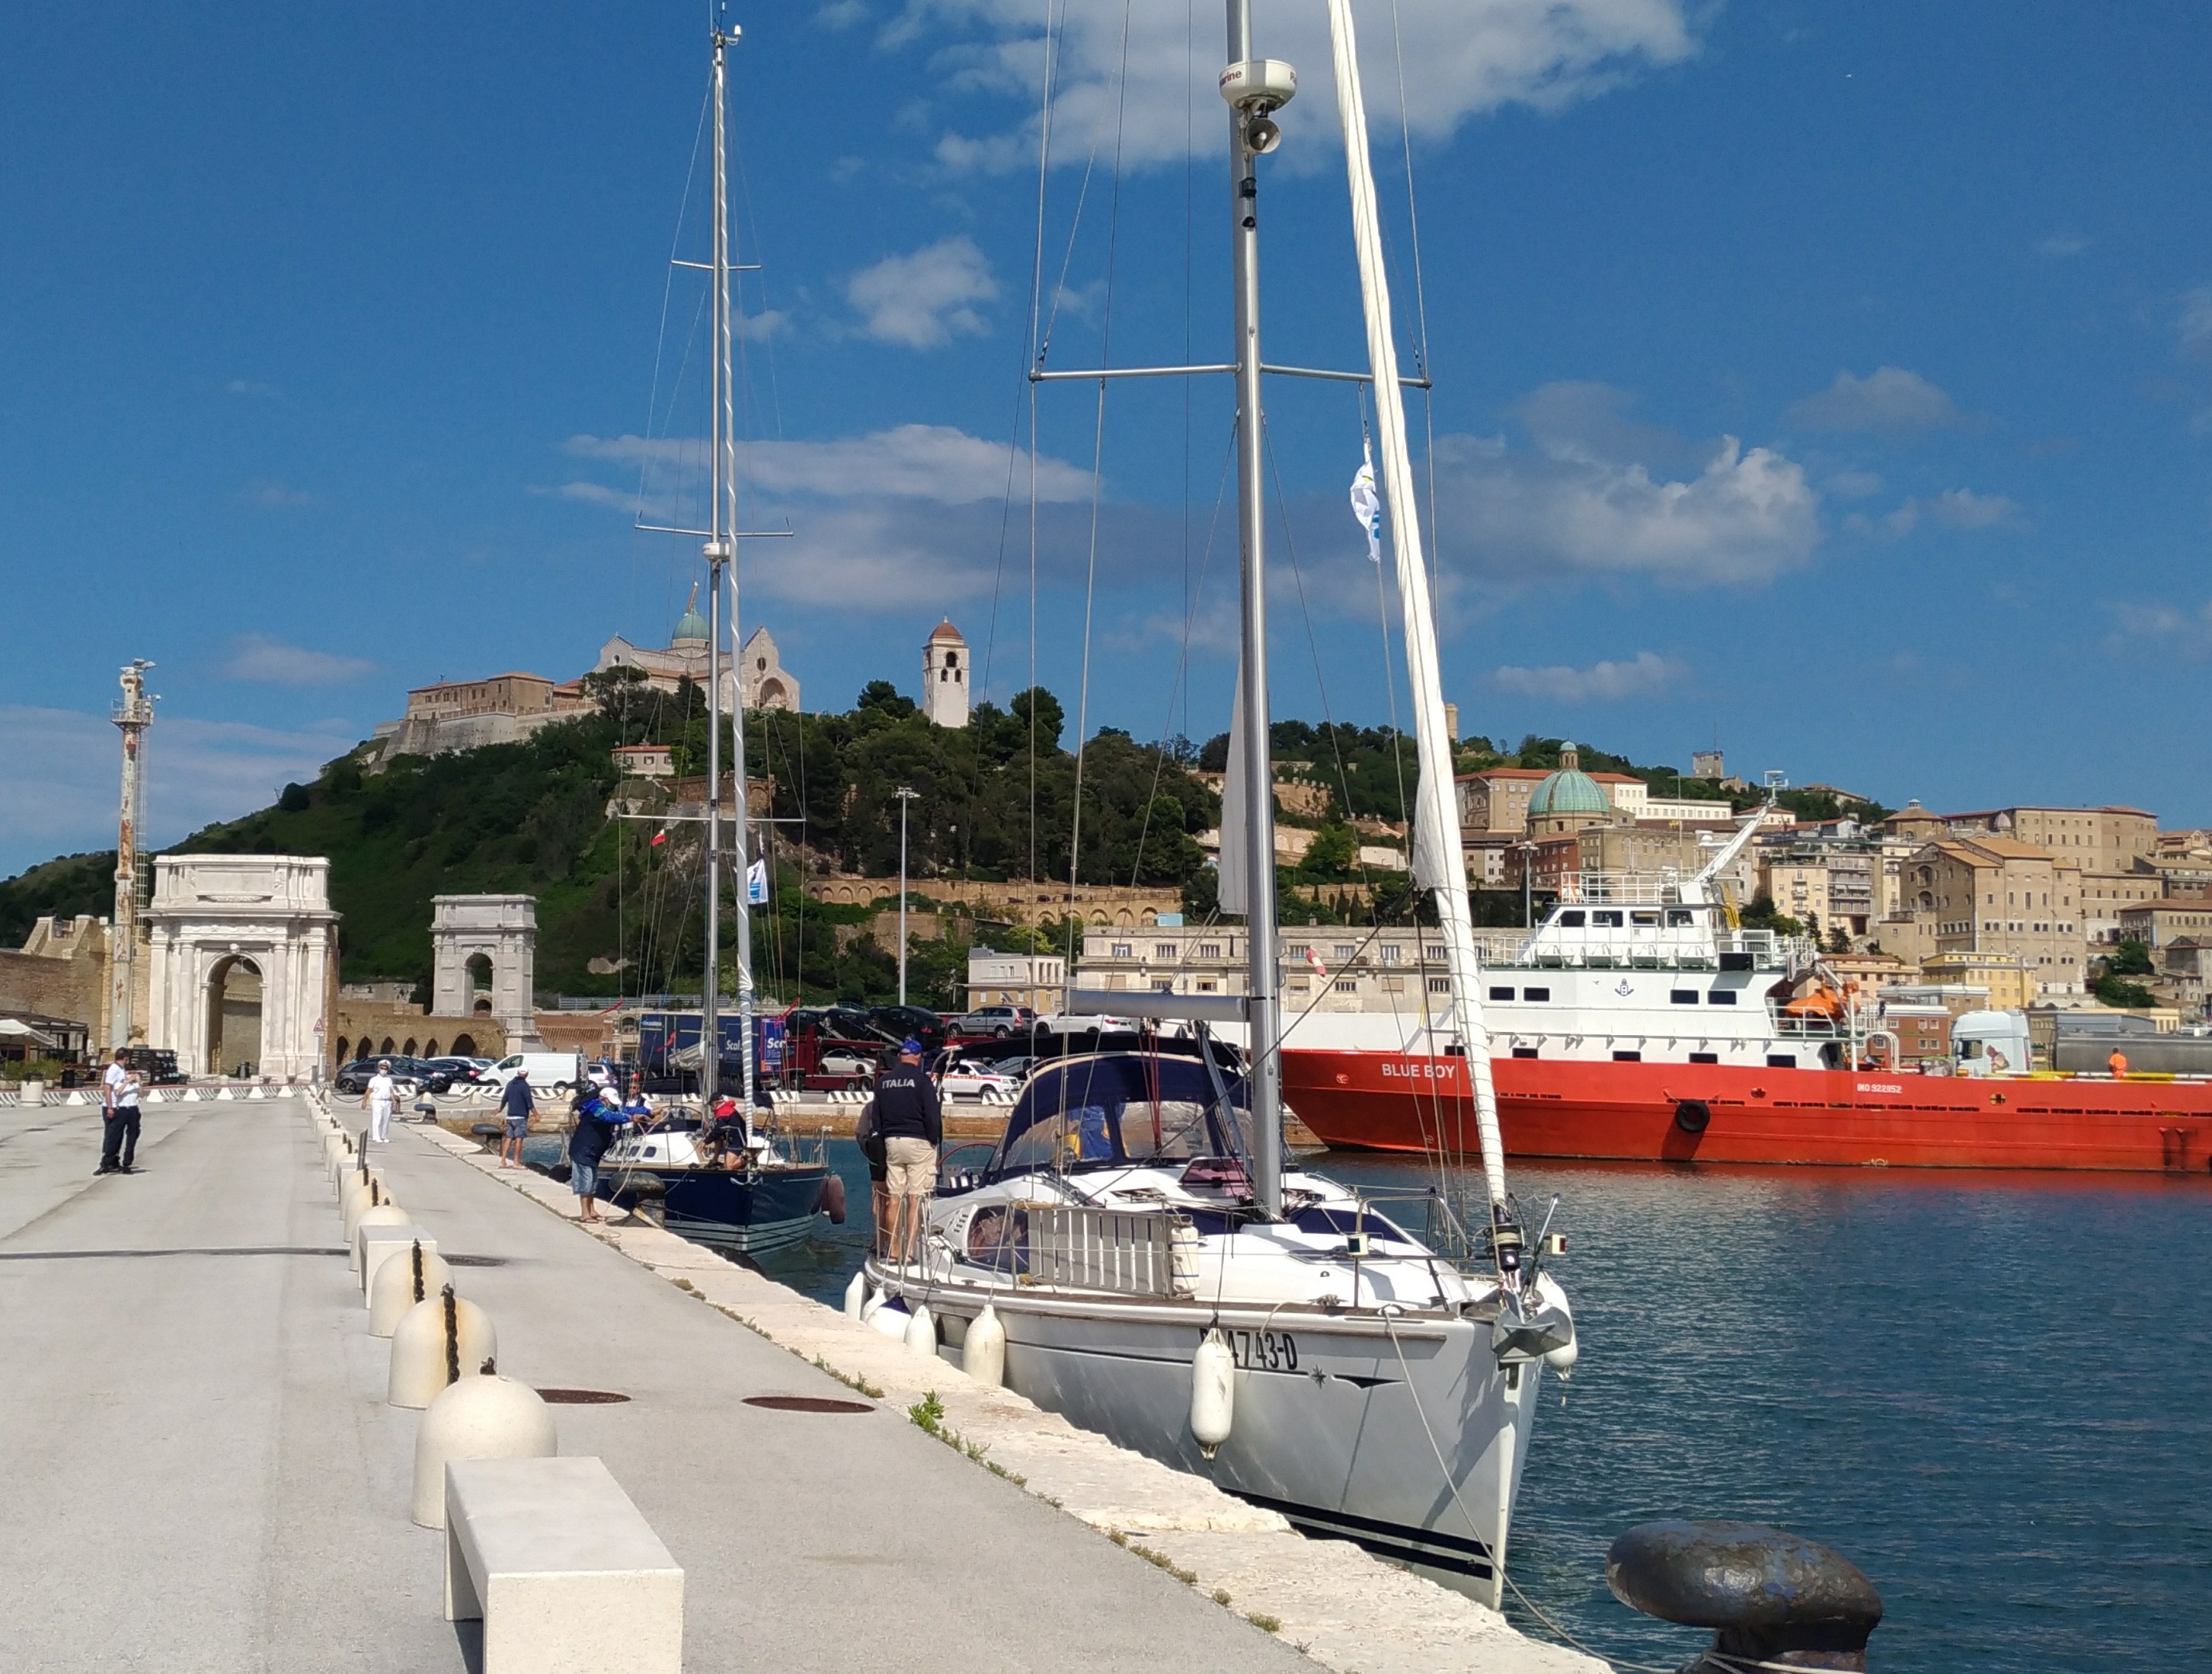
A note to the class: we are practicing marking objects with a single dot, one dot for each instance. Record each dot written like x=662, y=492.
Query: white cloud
x=2062, y=244
x=1888, y=398
x=248, y=386
x=1461, y=58
x=1645, y=675
x=839, y=15
x=934, y=462
x=2196, y=322
x=1853, y=484
x=58, y=771
x=1517, y=517
x=254, y=657
x=1955, y=508
x=2188, y=632
x=921, y=300
x=272, y=495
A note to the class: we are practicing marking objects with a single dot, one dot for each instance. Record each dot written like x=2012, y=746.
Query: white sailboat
x=1133, y=1252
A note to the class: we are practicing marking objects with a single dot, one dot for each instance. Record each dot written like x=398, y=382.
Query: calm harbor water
x=1993, y=1392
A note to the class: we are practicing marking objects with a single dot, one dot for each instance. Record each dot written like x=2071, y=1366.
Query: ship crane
x=1697, y=890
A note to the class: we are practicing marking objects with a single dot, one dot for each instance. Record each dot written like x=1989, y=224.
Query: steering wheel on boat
x=971, y=1175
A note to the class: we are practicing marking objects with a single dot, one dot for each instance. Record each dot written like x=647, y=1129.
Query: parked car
x=847, y=1061
x=411, y=1074
x=965, y=1080
x=997, y=1021
x=447, y=1073
x=903, y=1023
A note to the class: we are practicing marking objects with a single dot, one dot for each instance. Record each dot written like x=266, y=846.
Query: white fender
x=922, y=1331
x=1212, y=1392
x=1562, y=1359
x=983, y=1351
x=856, y=1296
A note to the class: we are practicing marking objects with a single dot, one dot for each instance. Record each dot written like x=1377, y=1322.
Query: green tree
x=2120, y=993
x=2128, y=958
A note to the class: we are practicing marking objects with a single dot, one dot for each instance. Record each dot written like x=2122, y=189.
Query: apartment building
x=1334, y=968
x=1992, y=895
x=2159, y=924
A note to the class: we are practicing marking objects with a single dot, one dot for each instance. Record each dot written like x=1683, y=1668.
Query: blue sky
x=1836, y=379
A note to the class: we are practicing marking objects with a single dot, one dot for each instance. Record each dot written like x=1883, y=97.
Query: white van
x=550, y=1072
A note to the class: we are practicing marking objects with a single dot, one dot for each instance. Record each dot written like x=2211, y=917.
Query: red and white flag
x=1314, y=959
x=659, y=838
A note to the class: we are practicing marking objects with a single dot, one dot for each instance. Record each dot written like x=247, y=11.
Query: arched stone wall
x=212, y=910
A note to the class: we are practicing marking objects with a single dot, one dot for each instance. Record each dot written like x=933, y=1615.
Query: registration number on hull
x=1263, y=1351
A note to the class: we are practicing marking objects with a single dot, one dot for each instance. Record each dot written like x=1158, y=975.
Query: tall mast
x=1436, y=860
x=133, y=714
x=718, y=550
x=1259, y=834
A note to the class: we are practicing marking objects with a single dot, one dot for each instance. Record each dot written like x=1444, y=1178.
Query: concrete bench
x=567, y=1576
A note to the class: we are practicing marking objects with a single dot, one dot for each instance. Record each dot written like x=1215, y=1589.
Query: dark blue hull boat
x=750, y=1213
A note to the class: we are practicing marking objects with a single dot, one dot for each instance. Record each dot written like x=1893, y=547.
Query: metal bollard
x=483, y=1416
x=1772, y=1599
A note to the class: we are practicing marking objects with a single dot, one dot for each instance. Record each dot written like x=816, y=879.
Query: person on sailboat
x=637, y=1107
x=912, y=1123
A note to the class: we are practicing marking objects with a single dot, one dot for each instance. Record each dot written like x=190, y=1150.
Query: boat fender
x=856, y=1296
x=1562, y=1359
x=1213, y=1393
x=983, y=1350
x=1692, y=1115
x=832, y=1202
x=922, y=1331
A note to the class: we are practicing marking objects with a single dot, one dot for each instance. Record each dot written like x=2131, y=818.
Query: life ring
x=1692, y=1115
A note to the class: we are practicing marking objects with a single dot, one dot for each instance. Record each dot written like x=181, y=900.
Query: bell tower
x=944, y=676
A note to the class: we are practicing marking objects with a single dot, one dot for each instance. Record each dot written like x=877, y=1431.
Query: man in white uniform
x=119, y=1090
x=376, y=1099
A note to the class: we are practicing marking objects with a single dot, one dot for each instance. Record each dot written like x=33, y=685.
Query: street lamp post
x=905, y=797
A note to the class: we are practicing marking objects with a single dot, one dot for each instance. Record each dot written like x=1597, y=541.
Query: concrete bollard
x=483, y=1416
x=361, y=1196
x=1772, y=1599
x=379, y=1245
x=433, y=1341
x=383, y=1215
x=403, y=1281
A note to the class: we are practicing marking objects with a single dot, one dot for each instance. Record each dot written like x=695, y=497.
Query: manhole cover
x=580, y=1398
x=806, y=1404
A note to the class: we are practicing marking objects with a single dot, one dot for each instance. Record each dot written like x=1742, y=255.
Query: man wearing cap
x=912, y=1123
x=377, y=1099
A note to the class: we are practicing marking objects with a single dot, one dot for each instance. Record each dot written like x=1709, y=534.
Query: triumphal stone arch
x=500, y=931
x=217, y=916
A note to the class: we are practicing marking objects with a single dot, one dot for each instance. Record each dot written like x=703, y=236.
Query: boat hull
x=1726, y=1114
x=1326, y=1429
x=752, y=1213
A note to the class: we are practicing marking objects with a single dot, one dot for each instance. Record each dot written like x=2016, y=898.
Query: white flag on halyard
x=1367, y=504
x=756, y=881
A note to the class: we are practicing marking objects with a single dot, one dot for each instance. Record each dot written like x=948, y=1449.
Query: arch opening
x=234, y=1016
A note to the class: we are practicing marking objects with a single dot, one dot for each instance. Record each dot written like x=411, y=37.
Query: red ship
x=1722, y=1112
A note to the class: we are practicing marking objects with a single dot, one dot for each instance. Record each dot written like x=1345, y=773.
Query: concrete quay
x=203, y=1473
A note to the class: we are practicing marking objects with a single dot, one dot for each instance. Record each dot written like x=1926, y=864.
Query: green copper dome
x=1569, y=790
x=691, y=625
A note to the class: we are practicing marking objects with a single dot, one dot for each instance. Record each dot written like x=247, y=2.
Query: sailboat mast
x=1264, y=1000
x=717, y=554
x=1436, y=860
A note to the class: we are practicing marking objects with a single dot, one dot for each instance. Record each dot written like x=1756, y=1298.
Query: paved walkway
x=198, y=1471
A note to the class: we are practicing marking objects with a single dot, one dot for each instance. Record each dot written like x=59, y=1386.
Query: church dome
x=690, y=628
x=1569, y=790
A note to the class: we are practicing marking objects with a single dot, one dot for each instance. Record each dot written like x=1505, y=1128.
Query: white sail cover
x=1236, y=864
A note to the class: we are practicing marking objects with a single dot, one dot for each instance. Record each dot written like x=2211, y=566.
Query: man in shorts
x=516, y=1105
x=912, y=1123
x=377, y=1100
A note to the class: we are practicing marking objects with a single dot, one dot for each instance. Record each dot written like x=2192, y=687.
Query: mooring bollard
x=386, y=1213
x=404, y=1280
x=433, y=1341
x=1772, y=1598
x=483, y=1416
x=361, y=1196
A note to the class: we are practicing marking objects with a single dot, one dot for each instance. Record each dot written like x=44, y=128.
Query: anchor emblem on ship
x=1625, y=988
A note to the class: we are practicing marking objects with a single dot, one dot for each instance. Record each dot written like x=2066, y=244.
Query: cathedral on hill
x=760, y=680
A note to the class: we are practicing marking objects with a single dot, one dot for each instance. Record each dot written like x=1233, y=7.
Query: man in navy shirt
x=516, y=1103
x=912, y=1123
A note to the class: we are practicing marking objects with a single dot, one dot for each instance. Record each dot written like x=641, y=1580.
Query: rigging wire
x=1098, y=487
x=1036, y=352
